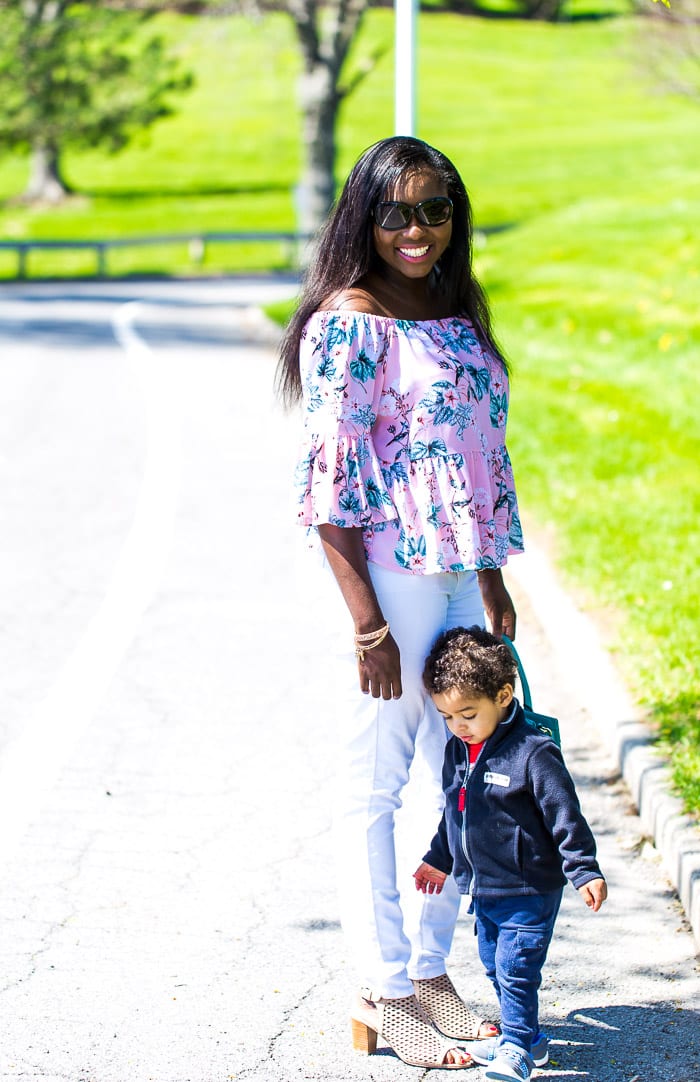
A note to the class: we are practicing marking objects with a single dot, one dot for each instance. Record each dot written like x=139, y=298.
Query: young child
x=512, y=833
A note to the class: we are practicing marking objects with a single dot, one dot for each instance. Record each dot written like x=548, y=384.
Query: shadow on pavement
x=642, y=1042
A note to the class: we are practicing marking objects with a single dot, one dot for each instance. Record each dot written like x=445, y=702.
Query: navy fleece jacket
x=521, y=831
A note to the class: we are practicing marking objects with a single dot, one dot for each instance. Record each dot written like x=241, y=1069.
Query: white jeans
x=395, y=933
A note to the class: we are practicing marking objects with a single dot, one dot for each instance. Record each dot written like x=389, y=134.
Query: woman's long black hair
x=345, y=252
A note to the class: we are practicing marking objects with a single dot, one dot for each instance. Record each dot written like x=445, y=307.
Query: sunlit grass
x=536, y=116
x=604, y=333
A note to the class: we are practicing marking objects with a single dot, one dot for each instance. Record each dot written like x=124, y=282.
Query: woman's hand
x=380, y=671
x=380, y=668
x=498, y=606
x=429, y=879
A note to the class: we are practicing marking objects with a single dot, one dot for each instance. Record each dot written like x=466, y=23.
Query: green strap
x=527, y=700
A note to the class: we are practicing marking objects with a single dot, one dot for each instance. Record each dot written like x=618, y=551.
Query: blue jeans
x=514, y=934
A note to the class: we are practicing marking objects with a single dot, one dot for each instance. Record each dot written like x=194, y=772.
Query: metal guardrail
x=197, y=243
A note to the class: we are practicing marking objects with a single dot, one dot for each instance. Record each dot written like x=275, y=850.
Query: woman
x=406, y=480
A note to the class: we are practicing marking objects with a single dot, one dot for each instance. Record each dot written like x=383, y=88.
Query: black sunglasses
x=393, y=215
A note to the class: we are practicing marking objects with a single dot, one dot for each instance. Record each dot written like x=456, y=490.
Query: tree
x=73, y=74
x=670, y=53
x=325, y=37
x=325, y=32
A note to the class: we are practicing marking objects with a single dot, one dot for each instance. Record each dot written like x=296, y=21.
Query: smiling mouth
x=415, y=253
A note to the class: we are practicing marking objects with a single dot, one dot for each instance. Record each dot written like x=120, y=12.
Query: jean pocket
x=528, y=953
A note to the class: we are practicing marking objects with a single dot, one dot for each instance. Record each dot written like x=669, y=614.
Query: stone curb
x=585, y=662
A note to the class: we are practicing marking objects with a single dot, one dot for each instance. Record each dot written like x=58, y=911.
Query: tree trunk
x=46, y=185
x=319, y=102
x=544, y=10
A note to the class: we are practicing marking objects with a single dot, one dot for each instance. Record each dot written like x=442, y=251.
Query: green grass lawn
x=604, y=341
x=594, y=284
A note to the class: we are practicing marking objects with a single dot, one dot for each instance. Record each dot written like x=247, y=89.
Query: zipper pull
x=462, y=800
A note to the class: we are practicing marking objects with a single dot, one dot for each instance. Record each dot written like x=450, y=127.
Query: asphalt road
x=167, y=911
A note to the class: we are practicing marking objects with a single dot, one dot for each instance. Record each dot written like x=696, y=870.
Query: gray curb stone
x=581, y=655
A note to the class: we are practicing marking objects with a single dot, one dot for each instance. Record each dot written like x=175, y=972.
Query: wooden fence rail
x=197, y=243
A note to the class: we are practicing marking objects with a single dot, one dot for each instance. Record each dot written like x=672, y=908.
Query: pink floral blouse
x=404, y=436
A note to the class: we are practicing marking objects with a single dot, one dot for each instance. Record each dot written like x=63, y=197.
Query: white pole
x=405, y=66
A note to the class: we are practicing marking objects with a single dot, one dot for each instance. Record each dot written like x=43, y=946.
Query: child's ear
x=505, y=695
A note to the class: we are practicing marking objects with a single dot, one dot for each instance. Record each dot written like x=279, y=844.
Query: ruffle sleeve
x=339, y=477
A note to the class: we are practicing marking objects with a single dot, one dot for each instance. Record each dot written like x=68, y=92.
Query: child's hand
x=594, y=893
x=429, y=879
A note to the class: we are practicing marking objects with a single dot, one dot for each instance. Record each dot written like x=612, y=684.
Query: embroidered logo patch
x=496, y=779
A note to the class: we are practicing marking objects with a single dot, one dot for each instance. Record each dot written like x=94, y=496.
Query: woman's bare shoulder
x=354, y=299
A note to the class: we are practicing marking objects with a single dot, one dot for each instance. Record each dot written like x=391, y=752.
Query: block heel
x=364, y=1039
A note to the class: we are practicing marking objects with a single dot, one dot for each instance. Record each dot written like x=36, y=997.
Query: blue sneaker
x=511, y=1064
x=540, y=1049
x=482, y=1052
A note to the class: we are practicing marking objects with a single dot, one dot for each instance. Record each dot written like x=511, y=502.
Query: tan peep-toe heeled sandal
x=449, y=1013
x=405, y=1027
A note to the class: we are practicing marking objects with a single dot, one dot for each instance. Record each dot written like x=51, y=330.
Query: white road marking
x=32, y=763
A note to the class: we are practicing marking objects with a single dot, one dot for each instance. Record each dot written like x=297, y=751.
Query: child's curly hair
x=471, y=660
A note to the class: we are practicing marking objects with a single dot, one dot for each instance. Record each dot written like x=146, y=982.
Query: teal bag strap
x=545, y=724
x=527, y=698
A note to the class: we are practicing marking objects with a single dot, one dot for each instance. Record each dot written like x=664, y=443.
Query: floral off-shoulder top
x=404, y=436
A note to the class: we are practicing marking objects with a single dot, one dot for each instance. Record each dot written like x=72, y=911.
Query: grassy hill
x=594, y=283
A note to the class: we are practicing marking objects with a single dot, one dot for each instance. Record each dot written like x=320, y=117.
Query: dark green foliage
x=80, y=75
